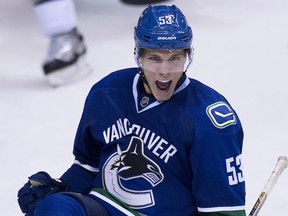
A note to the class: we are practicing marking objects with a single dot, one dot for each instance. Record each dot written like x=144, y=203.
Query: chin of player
x=162, y=96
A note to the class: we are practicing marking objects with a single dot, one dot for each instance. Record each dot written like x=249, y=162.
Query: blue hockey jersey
x=175, y=157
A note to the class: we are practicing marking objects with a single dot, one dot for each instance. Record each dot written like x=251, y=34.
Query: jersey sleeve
x=216, y=159
x=87, y=147
x=81, y=175
x=79, y=180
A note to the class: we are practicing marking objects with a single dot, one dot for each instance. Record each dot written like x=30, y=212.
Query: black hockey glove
x=37, y=188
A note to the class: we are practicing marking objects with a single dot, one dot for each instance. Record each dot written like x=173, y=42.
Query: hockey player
x=65, y=61
x=151, y=141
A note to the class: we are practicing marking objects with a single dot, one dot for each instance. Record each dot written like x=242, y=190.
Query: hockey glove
x=37, y=188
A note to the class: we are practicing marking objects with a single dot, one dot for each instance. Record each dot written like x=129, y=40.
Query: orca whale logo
x=123, y=166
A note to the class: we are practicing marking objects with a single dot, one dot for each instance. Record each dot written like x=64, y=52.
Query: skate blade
x=70, y=73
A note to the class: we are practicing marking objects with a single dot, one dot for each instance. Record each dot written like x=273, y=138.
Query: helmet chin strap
x=144, y=80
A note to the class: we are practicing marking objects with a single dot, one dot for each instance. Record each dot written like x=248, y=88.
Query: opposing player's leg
x=65, y=61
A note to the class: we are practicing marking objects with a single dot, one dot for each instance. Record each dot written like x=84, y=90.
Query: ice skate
x=65, y=61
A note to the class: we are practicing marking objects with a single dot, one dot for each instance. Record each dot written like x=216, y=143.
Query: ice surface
x=241, y=49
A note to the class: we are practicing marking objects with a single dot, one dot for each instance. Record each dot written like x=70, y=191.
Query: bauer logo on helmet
x=166, y=38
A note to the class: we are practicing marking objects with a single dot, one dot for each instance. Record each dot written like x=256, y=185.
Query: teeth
x=164, y=81
x=163, y=85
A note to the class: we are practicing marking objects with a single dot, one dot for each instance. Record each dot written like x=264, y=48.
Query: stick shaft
x=279, y=167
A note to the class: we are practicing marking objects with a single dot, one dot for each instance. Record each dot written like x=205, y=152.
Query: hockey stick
x=281, y=164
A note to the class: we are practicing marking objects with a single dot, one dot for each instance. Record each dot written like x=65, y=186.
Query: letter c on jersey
x=130, y=165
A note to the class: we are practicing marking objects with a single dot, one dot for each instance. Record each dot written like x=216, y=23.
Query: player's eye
x=155, y=58
x=174, y=58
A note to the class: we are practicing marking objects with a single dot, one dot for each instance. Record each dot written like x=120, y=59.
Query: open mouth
x=163, y=85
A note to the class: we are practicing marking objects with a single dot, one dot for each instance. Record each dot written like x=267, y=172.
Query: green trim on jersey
x=224, y=213
x=115, y=199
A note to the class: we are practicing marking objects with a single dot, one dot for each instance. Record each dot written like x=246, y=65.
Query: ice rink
x=241, y=49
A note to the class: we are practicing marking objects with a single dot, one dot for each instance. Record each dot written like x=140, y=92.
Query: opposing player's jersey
x=162, y=158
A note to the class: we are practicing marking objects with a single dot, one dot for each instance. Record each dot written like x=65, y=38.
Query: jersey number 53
x=234, y=170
